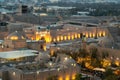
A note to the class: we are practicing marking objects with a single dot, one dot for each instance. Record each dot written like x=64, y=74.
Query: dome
x=106, y=41
x=93, y=45
x=15, y=36
x=68, y=62
x=42, y=57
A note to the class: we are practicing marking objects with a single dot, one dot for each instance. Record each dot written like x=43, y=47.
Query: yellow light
x=36, y=32
x=54, y=40
x=104, y=33
x=61, y=38
x=68, y=37
x=117, y=63
x=37, y=37
x=90, y=35
x=86, y=35
x=14, y=38
x=74, y=65
x=72, y=37
x=58, y=39
x=43, y=14
x=50, y=64
x=100, y=34
x=73, y=76
x=87, y=64
x=75, y=35
x=65, y=38
x=45, y=34
x=78, y=35
x=51, y=52
x=66, y=58
x=60, y=78
x=67, y=77
x=48, y=38
x=58, y=69
x=44, y=47
x=93, y=34
x=106, y=63
x=23, y=37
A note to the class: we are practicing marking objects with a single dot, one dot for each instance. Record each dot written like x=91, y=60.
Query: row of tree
x=95, y=9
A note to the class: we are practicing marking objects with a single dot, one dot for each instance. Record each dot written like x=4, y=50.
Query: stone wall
x=15, y=44
x=5, y=49
x=3, y=35
x=115, y=53
x=63, y=74
x=36, y=45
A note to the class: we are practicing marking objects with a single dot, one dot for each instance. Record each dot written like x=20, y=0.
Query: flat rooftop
x=17, y=54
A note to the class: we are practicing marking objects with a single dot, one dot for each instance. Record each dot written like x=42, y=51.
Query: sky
x=1, y=0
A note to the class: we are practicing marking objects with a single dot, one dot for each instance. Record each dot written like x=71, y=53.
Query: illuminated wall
x=70, y=36
x=14, y=38
x=67, y=77
x=77, y=36
x=45, y=35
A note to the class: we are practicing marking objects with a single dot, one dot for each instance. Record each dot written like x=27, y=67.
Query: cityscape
x=59, y=39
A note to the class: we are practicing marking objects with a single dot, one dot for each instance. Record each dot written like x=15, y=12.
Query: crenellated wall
x=62, y=74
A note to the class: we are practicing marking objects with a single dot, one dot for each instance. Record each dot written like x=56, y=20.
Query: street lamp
x=66, y=58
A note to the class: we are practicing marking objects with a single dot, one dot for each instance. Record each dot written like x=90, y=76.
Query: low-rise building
x=61, y=67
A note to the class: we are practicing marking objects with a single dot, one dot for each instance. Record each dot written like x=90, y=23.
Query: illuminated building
x=62, y=34
x=41, y=33
x=42, y=69
x=15, y=41
x=44, y=35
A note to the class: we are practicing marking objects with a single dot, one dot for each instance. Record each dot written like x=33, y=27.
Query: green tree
x=109, y=75
x=78, y=76
x=95, y=57
x=94, y=53
x=96, y=63
x=105, y=54
x=83, y=64
x=83, y=53
x=108, y=72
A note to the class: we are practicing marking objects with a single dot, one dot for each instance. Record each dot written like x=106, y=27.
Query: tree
x=83, y=53
x=83, y=64
x=105, y=54
x=95, y=58
x=78, y=76
x=74, y=55
x=96, y=63
x=109, y=75
x=94, y=53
